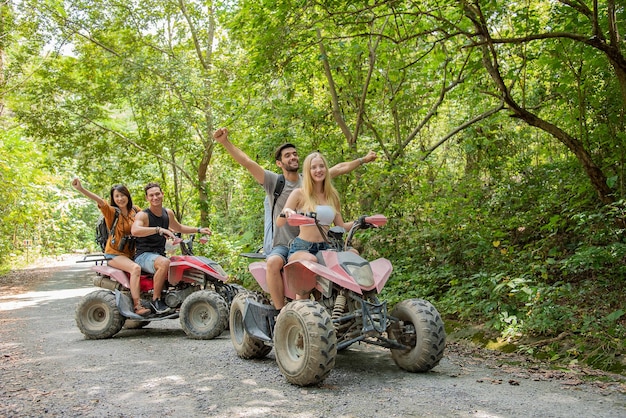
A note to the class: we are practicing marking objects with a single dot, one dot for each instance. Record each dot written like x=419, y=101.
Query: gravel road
x=47, y=369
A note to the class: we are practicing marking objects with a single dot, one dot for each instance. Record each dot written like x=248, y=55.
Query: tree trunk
x=490, y=62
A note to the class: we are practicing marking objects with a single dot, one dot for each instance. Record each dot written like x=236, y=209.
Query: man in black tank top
x=152, y=227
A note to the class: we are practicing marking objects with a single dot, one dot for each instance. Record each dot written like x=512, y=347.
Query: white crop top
x=325, y=214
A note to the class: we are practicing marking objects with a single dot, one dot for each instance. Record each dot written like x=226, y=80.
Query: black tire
x=246, y=346
x=238, y=289
x=97, y=315
x=203, y=315
x=422, y=330
x=229, y=291
x=135, y=324
x=305, y=342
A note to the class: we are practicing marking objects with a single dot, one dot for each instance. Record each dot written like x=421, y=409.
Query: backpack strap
x=113, y=225
x=280, y=185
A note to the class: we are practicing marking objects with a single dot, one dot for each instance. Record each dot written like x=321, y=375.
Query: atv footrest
x=259, y=319
x=125, y=306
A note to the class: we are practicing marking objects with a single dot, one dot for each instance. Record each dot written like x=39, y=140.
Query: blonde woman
x=318, y=195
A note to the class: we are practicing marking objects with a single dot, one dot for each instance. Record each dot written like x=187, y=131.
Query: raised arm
x=348, y=166
x=221, y=136
x=79, y=186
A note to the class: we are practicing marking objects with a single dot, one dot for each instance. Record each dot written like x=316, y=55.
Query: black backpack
x=102, y=232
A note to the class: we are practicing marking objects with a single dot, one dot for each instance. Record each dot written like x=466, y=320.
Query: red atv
x=196, y=290
x=307, y=333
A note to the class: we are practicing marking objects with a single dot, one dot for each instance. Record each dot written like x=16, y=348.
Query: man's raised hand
x=221, y=135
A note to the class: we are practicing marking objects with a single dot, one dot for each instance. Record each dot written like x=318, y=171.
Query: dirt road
x=48, y=369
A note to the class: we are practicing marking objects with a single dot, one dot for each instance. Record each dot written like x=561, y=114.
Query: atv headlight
x=218, y=268
x=362, y=273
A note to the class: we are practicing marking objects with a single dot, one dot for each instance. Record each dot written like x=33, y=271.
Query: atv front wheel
x=305, y=342
x=97, y=315
x=420, y=327
x=246, y=346
x=203, y=315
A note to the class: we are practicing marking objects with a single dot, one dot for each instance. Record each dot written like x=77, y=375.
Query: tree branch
x=333, y=92
x=136, y=145
x=461, y=127
x=445, y=88
x=370, y=70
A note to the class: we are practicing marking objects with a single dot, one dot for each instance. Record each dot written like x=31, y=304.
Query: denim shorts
x=280, y=250
x=298, y=244
x=146, y=261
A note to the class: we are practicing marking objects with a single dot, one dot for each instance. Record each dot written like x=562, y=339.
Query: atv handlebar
x=186, y=245
x=363, y=222
x=374, y=220
x=298, y=219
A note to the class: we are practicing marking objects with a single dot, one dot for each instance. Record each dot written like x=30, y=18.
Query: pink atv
x=307, y=333
x=196, y=291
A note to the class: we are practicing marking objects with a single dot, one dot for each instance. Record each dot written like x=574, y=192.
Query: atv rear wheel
x=421, y=328
x=237, y=289
x=97, y=315
x=305, y=342
x=203, y=315
x=246, y=346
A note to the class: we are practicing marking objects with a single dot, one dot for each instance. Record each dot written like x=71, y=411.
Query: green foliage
x=36, y=211
x=494, y=218
x=516, y=256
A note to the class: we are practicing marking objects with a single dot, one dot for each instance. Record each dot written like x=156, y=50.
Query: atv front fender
x=258, y=271
x=179, y=265
x=382, y=269
x=301, y=278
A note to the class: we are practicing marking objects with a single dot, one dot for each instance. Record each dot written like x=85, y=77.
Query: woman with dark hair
x=118, y=252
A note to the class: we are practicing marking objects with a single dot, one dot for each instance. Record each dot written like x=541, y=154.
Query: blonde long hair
x=309, y=198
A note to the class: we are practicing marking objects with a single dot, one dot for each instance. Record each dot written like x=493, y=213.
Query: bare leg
x=126, y=264
x=275, y=264
x=161, y=267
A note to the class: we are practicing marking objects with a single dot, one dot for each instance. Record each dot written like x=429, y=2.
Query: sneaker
x=159, y=306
